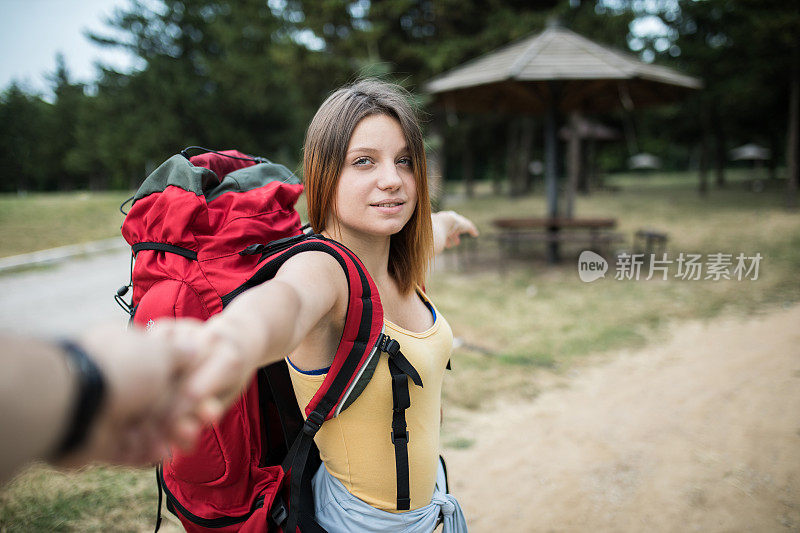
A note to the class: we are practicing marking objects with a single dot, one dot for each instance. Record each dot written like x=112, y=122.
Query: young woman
x=366, y=184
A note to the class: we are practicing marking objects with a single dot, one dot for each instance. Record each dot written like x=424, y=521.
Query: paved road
x=65, y=298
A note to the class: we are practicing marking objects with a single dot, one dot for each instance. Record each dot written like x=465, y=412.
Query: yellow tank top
x=356, y=446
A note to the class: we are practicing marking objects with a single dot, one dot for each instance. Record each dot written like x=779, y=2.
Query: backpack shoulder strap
x=353, y=365
x=358, y=347
x=363, y=322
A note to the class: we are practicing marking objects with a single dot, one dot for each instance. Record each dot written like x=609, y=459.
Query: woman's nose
x=389, y=177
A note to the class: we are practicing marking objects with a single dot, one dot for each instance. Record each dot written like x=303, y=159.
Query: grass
x=522, y=330
x=38, y=221
x=541, y=316
x=94, y=499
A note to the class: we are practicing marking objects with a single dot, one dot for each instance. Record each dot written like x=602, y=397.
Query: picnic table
x=595, y=233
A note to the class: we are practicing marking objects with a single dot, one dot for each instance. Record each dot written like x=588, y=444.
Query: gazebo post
x=574, y=163
x=551, y=169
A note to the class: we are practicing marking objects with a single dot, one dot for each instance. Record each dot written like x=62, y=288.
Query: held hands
x=162, y=387
x=216, y=374
x=448, y=226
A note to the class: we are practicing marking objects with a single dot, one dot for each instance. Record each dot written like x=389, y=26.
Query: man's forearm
x=37, y=393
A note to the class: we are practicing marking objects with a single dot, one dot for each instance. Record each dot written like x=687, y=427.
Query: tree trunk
x=99, y=182
x=22, y=182
x=468, y=172
x=135, y=181
x=720, y=157
x=792, y=140
x=703, y=166
x=587, y=161
x=528, y=182
x=65, y=181
x=772, y=163
x=435, y=163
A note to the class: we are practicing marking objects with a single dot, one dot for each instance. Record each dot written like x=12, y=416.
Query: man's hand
x=448, y=226
x=138, y=418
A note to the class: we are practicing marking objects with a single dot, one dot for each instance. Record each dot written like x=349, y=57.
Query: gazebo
x=750, y=152
x=644, y=161
x=757, y=155
x=554, y=71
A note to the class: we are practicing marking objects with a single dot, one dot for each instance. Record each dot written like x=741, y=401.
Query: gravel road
x=699, y=433
x=66, y=297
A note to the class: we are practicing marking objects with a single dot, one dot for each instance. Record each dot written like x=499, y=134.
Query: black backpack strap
x=299, y=462
x=283, y=251
x=164, y=247
x=277, y=384
x=400, y=370
x=281, y=419
x=444, y=469
x=160, y=495
x=295, y=465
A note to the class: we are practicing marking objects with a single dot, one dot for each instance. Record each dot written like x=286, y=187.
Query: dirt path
x=701, y=433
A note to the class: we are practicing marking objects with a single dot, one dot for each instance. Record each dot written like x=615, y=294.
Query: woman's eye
x=361, y=161
x=405, y=161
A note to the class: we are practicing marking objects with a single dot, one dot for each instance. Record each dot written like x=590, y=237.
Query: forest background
x=249, y=74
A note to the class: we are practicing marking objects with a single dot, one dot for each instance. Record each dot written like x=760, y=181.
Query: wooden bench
x=649, y=241
x=594, y=233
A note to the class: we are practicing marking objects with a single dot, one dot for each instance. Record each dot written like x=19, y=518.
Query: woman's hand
x=216, y=374
x=448, y=226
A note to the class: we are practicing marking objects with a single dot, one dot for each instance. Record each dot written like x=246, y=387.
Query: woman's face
x=377, y=193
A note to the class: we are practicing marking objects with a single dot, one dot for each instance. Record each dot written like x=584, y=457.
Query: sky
x=32, y=32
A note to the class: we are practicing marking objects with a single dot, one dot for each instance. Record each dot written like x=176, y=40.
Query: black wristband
x=90, y=394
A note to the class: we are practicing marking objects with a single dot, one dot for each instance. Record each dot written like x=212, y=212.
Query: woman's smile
x=389, y=207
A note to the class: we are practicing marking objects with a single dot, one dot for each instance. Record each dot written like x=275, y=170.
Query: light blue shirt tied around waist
x=338, y=511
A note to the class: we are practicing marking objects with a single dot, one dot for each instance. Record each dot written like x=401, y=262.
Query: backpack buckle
x=398, y=438
x=253, y=249
x=313, y=423
x=273, y=246
x=279, y=513
x=282, y=244
x=389, y=345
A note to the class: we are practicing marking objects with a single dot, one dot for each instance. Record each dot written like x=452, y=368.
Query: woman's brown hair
x=324, y=152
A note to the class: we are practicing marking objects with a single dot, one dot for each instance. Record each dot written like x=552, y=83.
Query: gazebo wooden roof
x=588, y=76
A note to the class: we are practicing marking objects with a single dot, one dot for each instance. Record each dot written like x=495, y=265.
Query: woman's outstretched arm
x=261, y=326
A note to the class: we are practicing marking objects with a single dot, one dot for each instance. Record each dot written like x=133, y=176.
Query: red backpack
x=202, y=230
